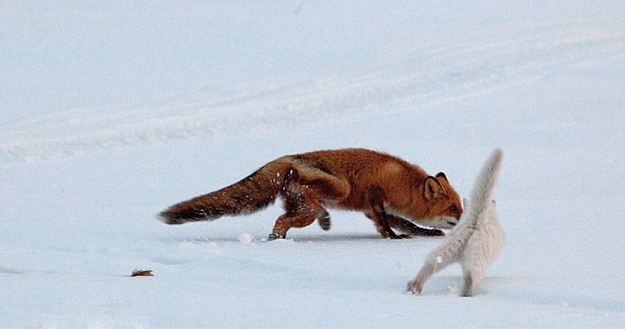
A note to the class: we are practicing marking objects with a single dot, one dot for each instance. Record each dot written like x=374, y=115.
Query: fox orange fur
x=386, y=188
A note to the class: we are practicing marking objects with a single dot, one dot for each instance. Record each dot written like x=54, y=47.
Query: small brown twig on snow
x=142, y=273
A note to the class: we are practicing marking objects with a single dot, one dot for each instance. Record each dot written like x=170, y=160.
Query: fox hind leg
x=307, y=189
x=302, y=209
x=325, y=188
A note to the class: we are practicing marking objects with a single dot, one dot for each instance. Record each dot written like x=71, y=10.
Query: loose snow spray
x=246, y=238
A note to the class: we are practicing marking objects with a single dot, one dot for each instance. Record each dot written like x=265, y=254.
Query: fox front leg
x=379, y=215
x=411, y=229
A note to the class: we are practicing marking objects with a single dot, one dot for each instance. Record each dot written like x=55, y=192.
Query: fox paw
x=324, y=221
x=438, y=233
x=420, y=231
x=431, y=232
x=399, y=236
x=414, y=286
x=274, y=236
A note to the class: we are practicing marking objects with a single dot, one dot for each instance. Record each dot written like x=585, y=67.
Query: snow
x=113, y=111
x=246, y=238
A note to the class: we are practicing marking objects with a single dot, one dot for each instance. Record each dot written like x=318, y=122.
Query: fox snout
x=441, y=222
x=454, y=218
x=452, y=221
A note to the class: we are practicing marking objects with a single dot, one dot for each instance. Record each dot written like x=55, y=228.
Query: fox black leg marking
x=274, y=236
x=324, y=221
x=376, y=200
x=411, y=229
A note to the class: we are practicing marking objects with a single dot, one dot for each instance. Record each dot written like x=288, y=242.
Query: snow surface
x=112, y=111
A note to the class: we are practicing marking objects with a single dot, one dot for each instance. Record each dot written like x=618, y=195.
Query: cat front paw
x=414, y=286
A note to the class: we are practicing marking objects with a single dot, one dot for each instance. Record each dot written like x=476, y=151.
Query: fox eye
x=453, y=208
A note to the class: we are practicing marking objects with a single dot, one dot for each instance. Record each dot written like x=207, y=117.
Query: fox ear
x=442, y=175
x=433, y=188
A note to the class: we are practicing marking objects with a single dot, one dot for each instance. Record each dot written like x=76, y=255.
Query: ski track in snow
x=427, y=75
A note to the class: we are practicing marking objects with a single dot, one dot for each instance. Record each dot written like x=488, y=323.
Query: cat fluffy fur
x=477, y=241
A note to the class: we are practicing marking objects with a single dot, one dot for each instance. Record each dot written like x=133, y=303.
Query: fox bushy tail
x=255, y=192
x=482, y=192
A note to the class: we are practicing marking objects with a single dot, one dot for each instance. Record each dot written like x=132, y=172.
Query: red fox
x=386, y=188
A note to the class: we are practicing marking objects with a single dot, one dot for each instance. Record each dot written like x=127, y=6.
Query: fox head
x=440, y=205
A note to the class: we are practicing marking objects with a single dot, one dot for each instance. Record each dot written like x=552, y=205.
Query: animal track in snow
x=427, y=74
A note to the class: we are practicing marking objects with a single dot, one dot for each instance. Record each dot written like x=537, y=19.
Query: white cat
x=477, y=241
